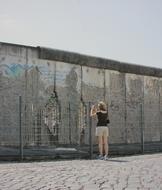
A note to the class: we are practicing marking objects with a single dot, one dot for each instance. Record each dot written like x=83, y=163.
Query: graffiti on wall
x=14, y=69
x=48, y=75
x=17, y=69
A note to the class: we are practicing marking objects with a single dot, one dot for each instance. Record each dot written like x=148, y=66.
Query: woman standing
x=102, y=131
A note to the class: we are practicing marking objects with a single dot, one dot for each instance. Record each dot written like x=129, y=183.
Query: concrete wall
x=134, y=99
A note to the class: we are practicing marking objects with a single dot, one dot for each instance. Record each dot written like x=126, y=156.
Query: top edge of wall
x=90, y=61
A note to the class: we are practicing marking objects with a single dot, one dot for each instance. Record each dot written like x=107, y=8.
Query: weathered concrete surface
x=115, y=91
x=90, y=61
x=127, y=173
x=151, y=108
x=134, y=100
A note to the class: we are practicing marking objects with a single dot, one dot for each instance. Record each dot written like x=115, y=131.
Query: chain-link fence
x=66, y=130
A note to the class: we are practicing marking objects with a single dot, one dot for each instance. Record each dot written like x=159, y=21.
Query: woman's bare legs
x=100, y=145
x=105, y=143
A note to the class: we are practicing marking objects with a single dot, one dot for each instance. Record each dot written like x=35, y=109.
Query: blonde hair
x=102, y=106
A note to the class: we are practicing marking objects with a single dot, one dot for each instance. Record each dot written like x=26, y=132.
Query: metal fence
x=66, y=130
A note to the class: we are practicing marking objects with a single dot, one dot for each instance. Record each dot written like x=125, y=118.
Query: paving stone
x=134, y=172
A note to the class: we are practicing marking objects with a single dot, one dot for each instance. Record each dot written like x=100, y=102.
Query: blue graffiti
x=14, y=69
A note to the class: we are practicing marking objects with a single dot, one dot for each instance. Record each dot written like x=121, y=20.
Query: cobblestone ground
x=135, y=172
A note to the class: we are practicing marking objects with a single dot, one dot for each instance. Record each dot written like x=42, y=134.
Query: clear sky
x=124, y=30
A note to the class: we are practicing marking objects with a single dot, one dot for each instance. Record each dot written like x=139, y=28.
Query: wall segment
x=36, y=72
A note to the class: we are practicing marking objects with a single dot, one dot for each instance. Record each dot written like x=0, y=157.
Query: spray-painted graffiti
x=59, y=71
x=14, y=69
x=46, y=73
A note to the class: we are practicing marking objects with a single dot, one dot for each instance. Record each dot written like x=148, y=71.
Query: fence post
x=69, y=110
x=90, y=134
x=142, y=129
x=20, y=129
